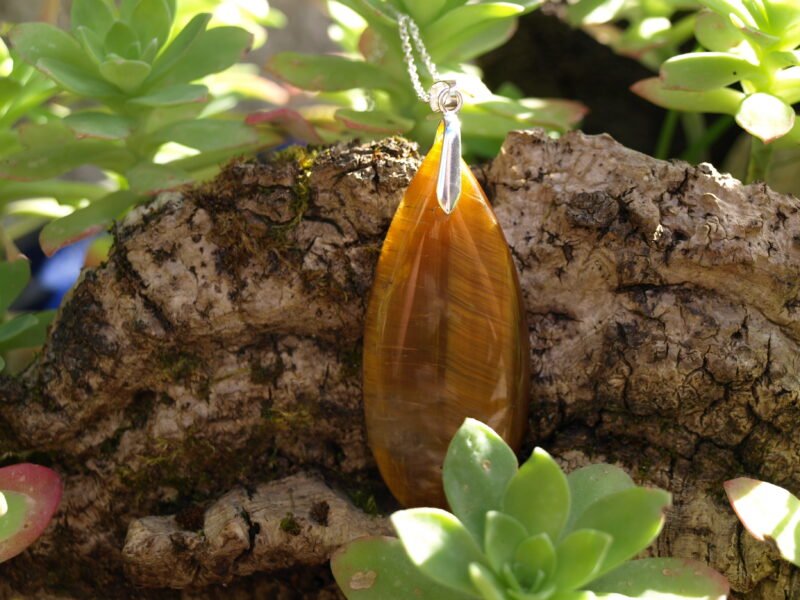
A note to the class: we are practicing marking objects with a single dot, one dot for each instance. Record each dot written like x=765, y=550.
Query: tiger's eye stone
x=445, y=335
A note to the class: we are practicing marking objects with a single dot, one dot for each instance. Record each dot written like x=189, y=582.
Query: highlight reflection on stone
x=445, y=335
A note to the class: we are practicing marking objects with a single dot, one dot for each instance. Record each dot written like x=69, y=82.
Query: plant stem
x=759, y=162
x=696, y=151
x=667, y=133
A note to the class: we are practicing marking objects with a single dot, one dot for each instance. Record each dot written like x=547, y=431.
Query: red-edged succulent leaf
x=41, y=489
x=289, y=121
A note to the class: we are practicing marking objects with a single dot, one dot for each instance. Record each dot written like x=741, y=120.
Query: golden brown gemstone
x=445, y=335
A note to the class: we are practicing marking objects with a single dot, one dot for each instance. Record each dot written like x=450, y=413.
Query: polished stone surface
x=445, y=335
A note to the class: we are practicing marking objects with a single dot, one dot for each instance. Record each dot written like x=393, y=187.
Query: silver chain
x=410, y=32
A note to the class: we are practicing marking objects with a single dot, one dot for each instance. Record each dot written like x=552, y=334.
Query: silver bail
x=448, y=182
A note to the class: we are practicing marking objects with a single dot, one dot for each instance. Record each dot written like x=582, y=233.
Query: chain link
x=409, y=32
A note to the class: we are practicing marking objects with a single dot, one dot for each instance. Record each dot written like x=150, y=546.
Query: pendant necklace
x=445, y=335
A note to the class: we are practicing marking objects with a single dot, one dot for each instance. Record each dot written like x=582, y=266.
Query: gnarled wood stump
x=200, y=392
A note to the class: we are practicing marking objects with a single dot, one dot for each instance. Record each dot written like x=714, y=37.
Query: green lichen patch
x=290, y=525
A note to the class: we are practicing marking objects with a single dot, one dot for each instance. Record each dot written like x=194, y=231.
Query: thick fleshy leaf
x=589, y=484
x=503, y=535
x=466, y=16
x=180, y=46
x=46, y=162
x=424, y=11
x=37, y=41
x=535, y=555
x=768, y=512
x=16, y=326
x=538, y=495
x=94, y=15
x=149, y=178
x=74, y=80
x=98, y=125
x=35, y=136
x=85, y=221
x=377, y=568
x=173, y=96
x=92, y=44
x=211, y=51
x=330, y=73
x=206, y=134
x=42, y=490
x=477, y=469
x=33, y=336
x=127, y=75
x=374, y=121
x=765, y=116
x=14, y=276
x=486, y=582
x=704, y=71
x=632, y=517
x=151, y=20
x=663, y=579
x=579, y=558
x=593, y=12
x=439, y=545
x=473, y=41
x=715, y=32
x=122, y=40
x=722, y=100
x=288, y=120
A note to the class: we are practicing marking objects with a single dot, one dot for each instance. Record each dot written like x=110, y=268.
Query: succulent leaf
x=765, y=116
x=14, y=276
x=477, y=469
x=93, y=15
x=503, y=535
x=720, y=100
x=535, y=560
x=538, y=495
x=579, y=557
x=702, y=71
x=663, y=578
x=485, y=581
x=589, y=484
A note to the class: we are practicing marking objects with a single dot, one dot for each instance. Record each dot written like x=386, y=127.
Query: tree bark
x=200, y=391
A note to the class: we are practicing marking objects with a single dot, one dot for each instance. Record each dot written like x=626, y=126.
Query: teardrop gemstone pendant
x=445, y=336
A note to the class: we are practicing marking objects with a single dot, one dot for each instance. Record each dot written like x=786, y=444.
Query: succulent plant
x=29, y=495
x=749, y=67
x=648, y=30
x=140, y=111
x=366, y=91
x=527, y=533
x=770, y=513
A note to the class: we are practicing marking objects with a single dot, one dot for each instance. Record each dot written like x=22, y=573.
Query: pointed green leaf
x=424, y=11
x=33, y=336
x=476, y=472
x=535, y=555
x=579, y=557
x=98, y=125
x=151, y=20
x=179, y=46
x=92, y=44
x=765, y=116
x=14, y=276
x=94, y=15
x=205, y=134
x=173, y=96
x=503, y=535
x=122, y=40
x=330, y=73
x=768, y=512
x=37, y=41
x=538, y=495
x=722, y=100
x=665, y=579
x=377, y=568
x=74, y=80
x=485, y=582
x=439, y=545
x=16, y=326
x=149, y=178
x=632, y=517
x=51, y=161
x=127, y=75
x=211, y=51
x=374, y=121
x=86, y=221
x=589, y=484
x=703, y=71
x=476, y=39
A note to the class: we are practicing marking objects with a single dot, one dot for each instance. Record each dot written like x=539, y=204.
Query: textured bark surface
x=200, y=392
